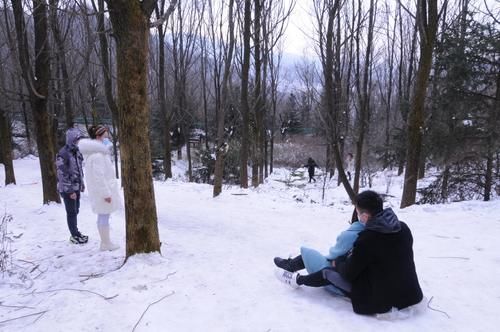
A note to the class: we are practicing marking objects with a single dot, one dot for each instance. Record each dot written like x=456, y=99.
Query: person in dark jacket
x=380, y=265
x=70, y=182
x=311, y=165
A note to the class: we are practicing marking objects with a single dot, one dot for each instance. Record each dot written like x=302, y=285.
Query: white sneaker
x=286, y=277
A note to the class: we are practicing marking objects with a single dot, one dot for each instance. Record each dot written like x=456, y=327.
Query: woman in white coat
x=102, y=186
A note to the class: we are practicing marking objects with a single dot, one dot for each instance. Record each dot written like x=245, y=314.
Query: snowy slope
x=216, y=272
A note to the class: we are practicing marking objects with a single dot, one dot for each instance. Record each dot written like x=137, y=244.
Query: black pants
x=315, y=279
x=319, y=278
x=311, y=177
x=72, y=208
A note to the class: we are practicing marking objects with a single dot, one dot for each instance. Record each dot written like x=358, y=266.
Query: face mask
x=106, y=142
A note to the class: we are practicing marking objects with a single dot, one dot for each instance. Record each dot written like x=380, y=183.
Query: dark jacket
x=311, y=164
x=69, y=165
x=381, y=267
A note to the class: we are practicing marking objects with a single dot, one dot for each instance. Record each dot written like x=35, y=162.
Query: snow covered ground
x=215, y=272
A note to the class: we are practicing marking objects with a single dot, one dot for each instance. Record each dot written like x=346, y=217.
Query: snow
x=215, y=270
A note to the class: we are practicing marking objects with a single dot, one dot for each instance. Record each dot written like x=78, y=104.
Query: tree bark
x=130, y=20
x=6, y=148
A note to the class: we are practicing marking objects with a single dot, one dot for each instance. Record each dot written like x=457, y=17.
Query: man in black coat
x=311, y=165
x=380, y=266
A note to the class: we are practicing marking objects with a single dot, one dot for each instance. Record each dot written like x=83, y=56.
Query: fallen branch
x=25, y=261
x=15, y=306
x=41, y=272
x=20, y=317
x=151, y=304
x=168, y=275
x=97, y=275
x=451, y=257
x=429, y=306
x=76, y=290
x=90, y=276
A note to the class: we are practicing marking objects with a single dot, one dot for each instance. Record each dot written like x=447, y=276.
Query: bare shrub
x=5, y=242
x=295, y=149
x=465, y=182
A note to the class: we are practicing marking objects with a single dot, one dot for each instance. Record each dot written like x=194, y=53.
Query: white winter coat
x=100, y=176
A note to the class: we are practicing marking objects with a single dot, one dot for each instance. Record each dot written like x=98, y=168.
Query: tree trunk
x=188, y=155
x=427, y=21
x=363, y=90
x=244, y=104
x=221, y=148
x=6, y=148
x=130, y=20
x=256, y=150
x=495, y=111
x=38, y=90
x=61, y=57
x=329, y=98
x=108, y=81
x=162, y=97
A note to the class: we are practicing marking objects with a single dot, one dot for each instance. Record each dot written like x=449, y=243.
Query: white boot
x=106, y=244
x=286, y=277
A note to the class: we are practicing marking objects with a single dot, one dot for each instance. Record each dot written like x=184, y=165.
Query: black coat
x=311, y=164
x=381, y=267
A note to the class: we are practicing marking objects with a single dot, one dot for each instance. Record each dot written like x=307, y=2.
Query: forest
x=412, y=86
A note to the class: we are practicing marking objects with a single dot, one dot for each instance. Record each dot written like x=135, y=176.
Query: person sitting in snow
x=379, y=270
x=102, y=186
x=380, y=266
x=70, y=182
x=311, y=165
x=314, y=262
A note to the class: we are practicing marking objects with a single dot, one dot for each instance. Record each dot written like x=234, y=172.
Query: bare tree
x=221, y=148
x=362, y=84
x=274, y=17
x=186, y=27
x=427, y=19
x=38, y=86
x=130, y=20
x=107, y=75
x=330, y=105
x=60, y=52
x=405, y=78
x=244, y=103
x=162, y=91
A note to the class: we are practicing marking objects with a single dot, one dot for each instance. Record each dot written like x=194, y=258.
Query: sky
x=301, y=26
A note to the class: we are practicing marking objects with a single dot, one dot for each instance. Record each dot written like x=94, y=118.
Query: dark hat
x=100, y=129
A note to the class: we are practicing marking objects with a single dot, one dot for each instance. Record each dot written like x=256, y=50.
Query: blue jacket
x=315, y=261
x=69, y=164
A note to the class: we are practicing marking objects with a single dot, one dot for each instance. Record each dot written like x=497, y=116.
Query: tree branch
x=165, y=17
x=76, y=290
x=151, y=304
x=12, y=319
